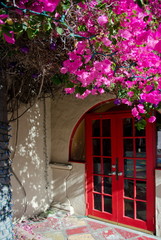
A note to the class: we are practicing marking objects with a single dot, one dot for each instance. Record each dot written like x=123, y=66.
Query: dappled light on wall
x=31, y=179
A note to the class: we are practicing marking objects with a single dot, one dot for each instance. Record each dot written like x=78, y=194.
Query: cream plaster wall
x=65, y=113
x=69, y=186
x=66, y=187
x=30, y=195
x=158, y=202
x=69, y=191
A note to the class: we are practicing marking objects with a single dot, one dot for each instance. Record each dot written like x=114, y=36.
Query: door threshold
x=122, y=225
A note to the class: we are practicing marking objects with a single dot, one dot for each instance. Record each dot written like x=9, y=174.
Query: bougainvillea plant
x=120, y=52
x=117, y=46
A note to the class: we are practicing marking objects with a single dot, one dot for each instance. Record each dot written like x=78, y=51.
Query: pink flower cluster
x=121, y=54
x=36, y=5
x=117, y=50
x=39, y=5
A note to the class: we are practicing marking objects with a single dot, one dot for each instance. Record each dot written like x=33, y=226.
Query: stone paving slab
x=76, y=228
x=54, y=236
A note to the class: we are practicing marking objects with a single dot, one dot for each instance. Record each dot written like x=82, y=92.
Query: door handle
x=112, y=173
x=120, y=173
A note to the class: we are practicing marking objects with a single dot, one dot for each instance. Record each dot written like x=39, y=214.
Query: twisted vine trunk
x=6, y=232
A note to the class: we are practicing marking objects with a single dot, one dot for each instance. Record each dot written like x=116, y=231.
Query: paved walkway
x=75, y=228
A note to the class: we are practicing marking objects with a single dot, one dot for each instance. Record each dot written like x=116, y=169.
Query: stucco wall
x=69, y=187
x=158, y=202
x=66, y=111
x=66, y=187
x=29, y=162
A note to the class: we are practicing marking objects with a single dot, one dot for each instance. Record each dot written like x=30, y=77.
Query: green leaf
x=24, y=26
x=101, y=5
x=80, y=90
x=140, y=3
x=60, y=79
x=70, y=85
x=17, y=27
x=6, y=29
x=65, y=77
x=31, y=33
x=47, y=26
x=56, y=79
x=141, y=124
x=59, y=30
x=82, y=28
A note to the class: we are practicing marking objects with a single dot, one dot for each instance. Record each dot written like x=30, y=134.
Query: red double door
x=120, y=170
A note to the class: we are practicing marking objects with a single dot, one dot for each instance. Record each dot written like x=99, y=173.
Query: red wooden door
x=120, y=170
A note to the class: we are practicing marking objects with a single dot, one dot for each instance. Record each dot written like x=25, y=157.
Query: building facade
x=87, y=156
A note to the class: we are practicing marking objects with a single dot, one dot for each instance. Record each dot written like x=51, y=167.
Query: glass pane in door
x=97, y=184
x=141, y=210
x=107, y=166
x=140, y=145
x=96, y=128
x=127, y=127
x=141, y=169
x=141, y=190
x=96, y=147
x=98, y=202
x=106, y=127
x=108, y=185
x=129, y=188
x=129, y=208
x=129, y=168
x=96, y=165
x=108, y=204
x=106, y=147
x=128, y=148
x=139, y=133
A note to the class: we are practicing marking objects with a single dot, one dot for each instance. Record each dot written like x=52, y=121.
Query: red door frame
x=150, y=146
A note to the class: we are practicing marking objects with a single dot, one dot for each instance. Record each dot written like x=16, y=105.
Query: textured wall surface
x=66, y=111
x=30, y=175
x=158, y=202
x=69, y=187
x=66, y=187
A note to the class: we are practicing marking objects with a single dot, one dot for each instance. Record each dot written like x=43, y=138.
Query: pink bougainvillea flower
x=106, y=41
x=69, y=90
x=1, y=22
x=141, y=108
x=125, y=34
x=2, y=16
x=158, y=47
x=102, y=20
x=63, y=70
x=10, y=39
x=130, y=94
x=50, y=5
x=135, y=112
x=152, y=119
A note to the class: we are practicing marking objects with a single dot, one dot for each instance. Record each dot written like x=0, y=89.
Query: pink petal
x=9, y=39
x=152, y=119
x=158, y=47
x=2, y=16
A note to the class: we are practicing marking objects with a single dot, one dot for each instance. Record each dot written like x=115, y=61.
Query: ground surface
x=63, y=227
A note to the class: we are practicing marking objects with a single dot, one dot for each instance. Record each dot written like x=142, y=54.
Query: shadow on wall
x=158, y=191
x=32, y=192
x=69, y=187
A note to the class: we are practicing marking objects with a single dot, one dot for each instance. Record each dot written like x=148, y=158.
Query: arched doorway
x=120, y=162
